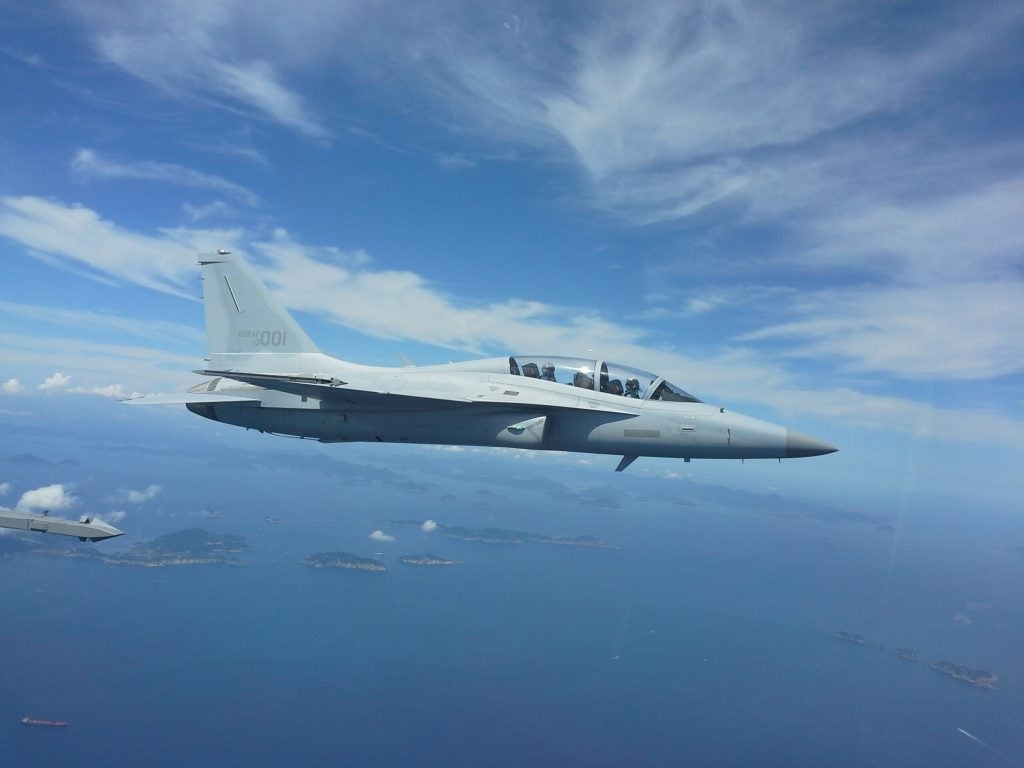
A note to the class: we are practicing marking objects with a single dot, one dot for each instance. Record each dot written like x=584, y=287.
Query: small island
x=343, y=560
x=508, y=536
x=907, y=654
x=15, y=545
x=426, y=559
x=850, y=637
x=981, y=678
x=501, y=535
x=194, y=546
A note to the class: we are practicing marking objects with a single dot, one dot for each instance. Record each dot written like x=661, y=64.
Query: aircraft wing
x=186, y=398
x=338, y=392
x=335, y=391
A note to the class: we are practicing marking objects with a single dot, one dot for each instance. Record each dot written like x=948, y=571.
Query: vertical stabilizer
x=246, y=327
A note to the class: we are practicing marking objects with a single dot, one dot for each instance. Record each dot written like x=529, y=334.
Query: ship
x=49, y=723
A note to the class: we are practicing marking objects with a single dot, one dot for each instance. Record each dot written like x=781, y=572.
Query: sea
x=703, y=634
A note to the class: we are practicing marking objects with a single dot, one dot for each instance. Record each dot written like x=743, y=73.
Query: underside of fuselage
x=671, y=435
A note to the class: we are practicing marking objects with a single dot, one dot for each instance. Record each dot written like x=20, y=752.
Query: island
x=343, y=560
x=15, y=545
x=194, y=546
x=850, y=637
x=501, y=535
x=426, y=559
x=907, y=654
x=508, y=536
x=981, y=678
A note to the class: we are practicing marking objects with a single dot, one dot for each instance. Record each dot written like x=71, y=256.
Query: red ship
x=51, y=723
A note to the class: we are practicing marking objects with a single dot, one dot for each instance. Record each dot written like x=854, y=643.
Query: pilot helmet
x=548, y=368
x=632, y=383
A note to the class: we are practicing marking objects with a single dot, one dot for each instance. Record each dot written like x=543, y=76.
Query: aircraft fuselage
x=510, y=411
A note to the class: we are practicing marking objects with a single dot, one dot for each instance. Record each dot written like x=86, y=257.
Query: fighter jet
x=268, y=375
x=91, y=528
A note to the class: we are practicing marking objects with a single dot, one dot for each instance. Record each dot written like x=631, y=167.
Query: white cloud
x=379, y=535
x=88, y=163
x=258, y=84
x=142, y=368
x=12, y=387
x=55, y=383
x=115, y=516
x=962, y=331
x=60, y=382
x=212, y=210
x=346, y=287
x=5, y=488
x=104, y=322
x=206, y=58
x=969, y=233
x=54, y=498
x=148, y=369
x=428, y=526
x=71, y=234
x=404, y=305
x=138, y=497
x=113, y=391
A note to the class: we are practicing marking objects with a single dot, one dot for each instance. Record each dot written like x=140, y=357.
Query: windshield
x=612, y=378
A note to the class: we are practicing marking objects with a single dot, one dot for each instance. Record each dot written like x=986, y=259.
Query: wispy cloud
x=199, y=212
x=105, y=322
x=88, y=163
x=92, y=365
x=32, y=59
x=345, y=287
x=405, y=305
x=379, y=535
x=138, y=497
x=12, y=387
x=193, y=50
x=76, y=235
x=951, y=331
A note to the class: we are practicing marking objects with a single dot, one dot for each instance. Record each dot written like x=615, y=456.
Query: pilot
x=547, y=372
x=632, y=388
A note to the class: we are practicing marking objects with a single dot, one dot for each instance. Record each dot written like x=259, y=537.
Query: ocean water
x=702, y=636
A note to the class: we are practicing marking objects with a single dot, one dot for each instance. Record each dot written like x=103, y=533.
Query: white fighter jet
x=268, y=375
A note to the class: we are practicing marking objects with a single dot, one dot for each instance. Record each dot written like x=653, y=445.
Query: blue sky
x=809, y=214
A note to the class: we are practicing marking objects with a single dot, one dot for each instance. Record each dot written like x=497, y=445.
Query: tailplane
x=247, y=329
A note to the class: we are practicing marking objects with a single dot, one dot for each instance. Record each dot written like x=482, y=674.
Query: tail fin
x=246, y=327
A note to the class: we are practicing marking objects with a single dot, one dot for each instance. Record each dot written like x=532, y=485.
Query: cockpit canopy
x=613, y=379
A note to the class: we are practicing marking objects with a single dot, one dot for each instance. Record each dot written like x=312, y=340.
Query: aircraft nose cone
x=799, y=445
